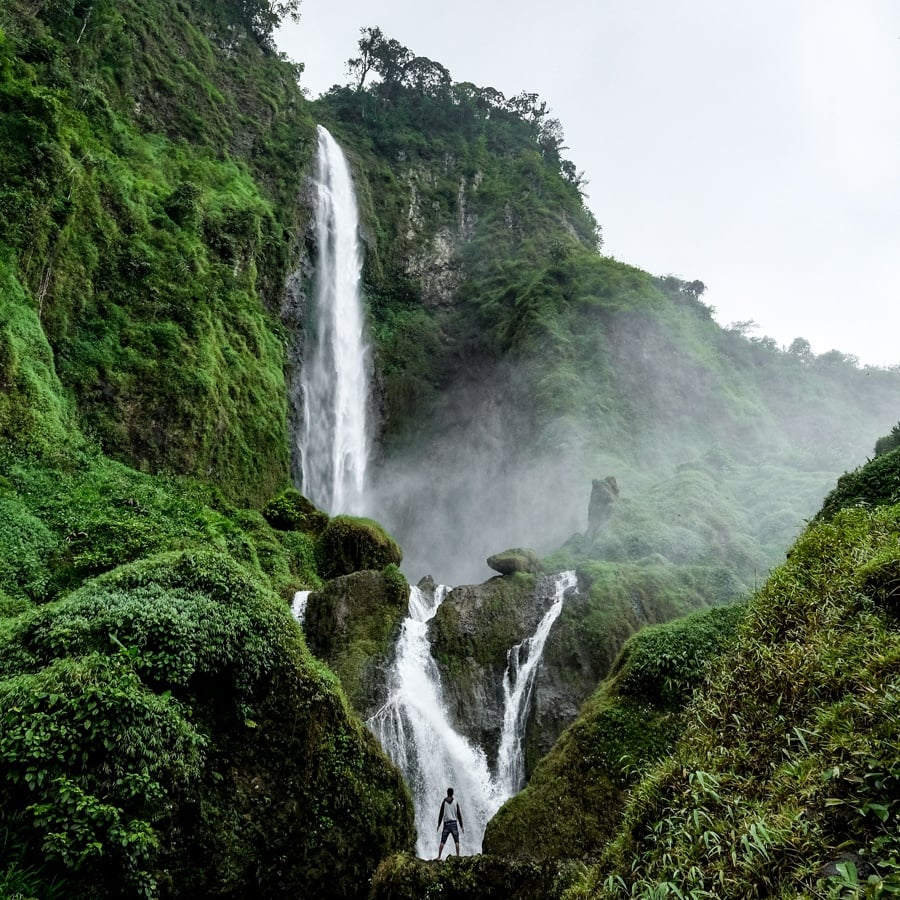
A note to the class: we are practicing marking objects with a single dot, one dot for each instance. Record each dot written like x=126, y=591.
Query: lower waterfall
x=416, y=733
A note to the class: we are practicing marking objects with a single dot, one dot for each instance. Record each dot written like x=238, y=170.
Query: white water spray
x=298, y=605
x=335, y=379
x=416, y=733
x=518, y=680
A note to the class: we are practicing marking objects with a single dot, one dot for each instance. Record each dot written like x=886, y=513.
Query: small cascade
x=334, y=445
x=518, y=680
x=298, y=605
x=416, y=733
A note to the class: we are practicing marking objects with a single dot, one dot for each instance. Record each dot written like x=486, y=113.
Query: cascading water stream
x=298, y=605
x=413, y=725
x=518, y=680
x=415, y=730
x=335, y=380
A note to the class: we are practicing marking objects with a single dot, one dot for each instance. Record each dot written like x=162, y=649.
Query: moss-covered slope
x=785, y=782
x=152, y=154
x=573, y=803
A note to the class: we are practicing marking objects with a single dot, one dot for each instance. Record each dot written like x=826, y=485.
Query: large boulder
x=349, y=544
x=352, y=623
x=471, y=634
x=516, y=560
x=291, y=511
x=631, y=720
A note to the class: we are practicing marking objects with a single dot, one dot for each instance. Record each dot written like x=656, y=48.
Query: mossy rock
x=403, y=877
x=516, y=560
x=352, y=624
x=350, y=544
x=291, y=511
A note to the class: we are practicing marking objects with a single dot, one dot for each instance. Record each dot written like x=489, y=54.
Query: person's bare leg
x=457, y=848
x=440, y=851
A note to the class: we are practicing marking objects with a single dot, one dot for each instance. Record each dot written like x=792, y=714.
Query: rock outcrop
x=472, y=633
x=352, y=624
x=603, y=495
x=516, y=560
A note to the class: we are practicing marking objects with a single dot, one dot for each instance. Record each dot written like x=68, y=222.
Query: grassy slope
x=786, y=780
x=164, y=728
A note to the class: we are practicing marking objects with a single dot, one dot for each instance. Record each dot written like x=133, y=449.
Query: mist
x=720, y=459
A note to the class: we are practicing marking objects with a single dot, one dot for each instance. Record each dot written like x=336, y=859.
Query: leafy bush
x=94, y=759
x=888, y=442
x=876, y=483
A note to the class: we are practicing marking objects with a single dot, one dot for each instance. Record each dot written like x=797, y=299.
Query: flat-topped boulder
x=516, y=560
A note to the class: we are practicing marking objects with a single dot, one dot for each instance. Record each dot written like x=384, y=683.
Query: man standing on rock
x=450, y=814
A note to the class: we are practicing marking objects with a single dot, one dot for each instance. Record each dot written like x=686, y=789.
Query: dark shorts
x=450, y=828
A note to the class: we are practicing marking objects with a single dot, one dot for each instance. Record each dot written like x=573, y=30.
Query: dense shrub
x=875, y=484
x=167, y=732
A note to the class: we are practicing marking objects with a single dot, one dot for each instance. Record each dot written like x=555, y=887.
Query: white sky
x=754, y=146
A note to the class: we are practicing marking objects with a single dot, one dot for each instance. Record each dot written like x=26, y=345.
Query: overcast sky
x=754, y=146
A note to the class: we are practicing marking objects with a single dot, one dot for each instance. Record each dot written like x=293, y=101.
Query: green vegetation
x=402, y=877
x=573, y=803
x=174, y=696
x=785, y=781
x=352, y=624
x=137, y=231
x=165, y=730
x=877, y=484
x=349, y=544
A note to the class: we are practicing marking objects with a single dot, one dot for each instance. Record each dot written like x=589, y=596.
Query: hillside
x=166, y=730
x=521, y=363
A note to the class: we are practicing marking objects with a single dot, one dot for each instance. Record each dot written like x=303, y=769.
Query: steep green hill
x=520, y=363
x=785, y=782
x=152, y=154
x=165, y=730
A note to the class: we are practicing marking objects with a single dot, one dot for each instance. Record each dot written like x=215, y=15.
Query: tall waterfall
x=336, y=364
x=416, y=733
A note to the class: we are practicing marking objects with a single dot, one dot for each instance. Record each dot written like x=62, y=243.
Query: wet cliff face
x=471, y=634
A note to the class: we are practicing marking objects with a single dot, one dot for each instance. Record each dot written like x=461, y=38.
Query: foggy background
x=704, y=479
x=751, y=146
